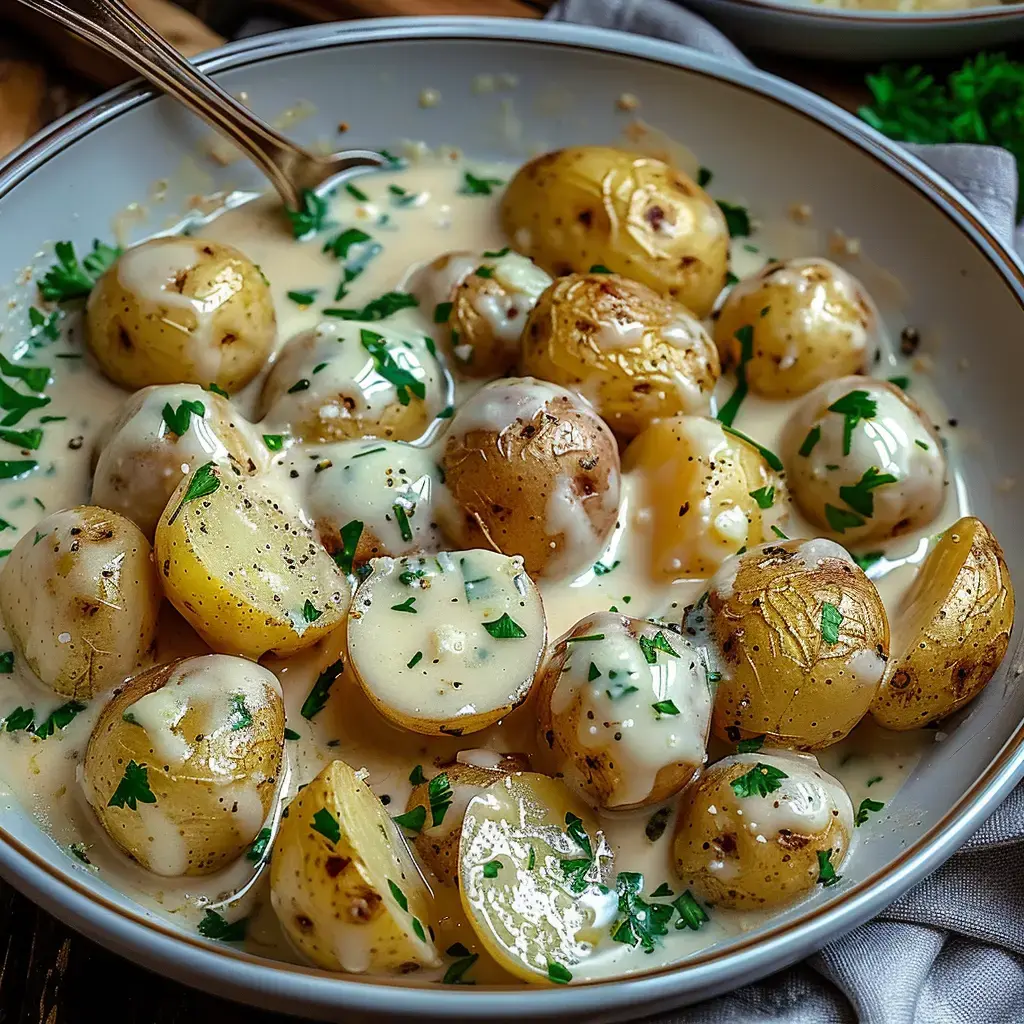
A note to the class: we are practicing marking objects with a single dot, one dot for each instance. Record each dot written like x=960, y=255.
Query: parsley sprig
x=68, y=279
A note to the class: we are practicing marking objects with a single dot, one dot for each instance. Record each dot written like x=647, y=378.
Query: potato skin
x=180, y=310
x=781, y=676
x=635, y=355
x=81, y=605
x=634, y=214
x=240, y=564
x=764, y=857
x=139, y=459
x=812, y=321
x=518, y=451
x=438, y=846
x=951, y=631
x=334, y=897
x=217, y=796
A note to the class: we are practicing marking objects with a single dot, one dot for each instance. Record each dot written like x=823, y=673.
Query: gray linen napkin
x=951, y=949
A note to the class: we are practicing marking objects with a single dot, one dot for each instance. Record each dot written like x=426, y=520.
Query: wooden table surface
x=48, y=973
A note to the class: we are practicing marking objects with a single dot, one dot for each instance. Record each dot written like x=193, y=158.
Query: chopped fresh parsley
x=854, y=406
x=600, y=268
x=474, y=186
x=275, y=442
x=217, y=389
x=214, y=926
x=484, y=271
x=764, y=496
x=30, y=439
x=327, y=825
x=593, y=673
x=399, y=896
x=60, y=718
x=18, y=405
x=43, y=326
x=402, y=518
x=812, y=438
x=439, y=793
x=378, y=309
x=761, y=780
x=691, y=914
x=457, y=971
x=769, y=456
x=203, y=483
x=665, y=707
x=413, y=819
x=177, y=420
x=745, y=336
x=867, y=806
x=737, y=219
x=751, y=746
x=310, y=613
x=442, y=311
x=416, y=776
x=859, y=496
x=35, y=377
x=406, y=606
x=350, y=534
x=133, y=788
x=304, y=298
x=291, y=734
x=414, y=660
x=640, y=922
x=339, y=246
x=356, y=193
x=310, y=217
x=300, y=385
x=6, y=662
x=600, y=569
x=68, y=279
x=868, y=559
x=384, y=363
x=584, y=639
x=317, y=697
x=16, y=469
x=656, y=824
x=831, y=620
x=901, y=382
x=874, y=779
x=826, y=872
x=258, y=847
x=650, y=647
x=840, y=520
x=704, y=177
x=558, y=974
x=19, y=719
x=491, y=868
x=505, y=628
x=241, y=718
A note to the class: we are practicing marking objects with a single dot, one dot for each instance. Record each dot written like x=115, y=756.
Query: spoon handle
x=113, y=26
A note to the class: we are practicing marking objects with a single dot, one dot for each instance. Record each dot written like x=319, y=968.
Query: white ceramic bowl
x=830, y=33
x=769, y=143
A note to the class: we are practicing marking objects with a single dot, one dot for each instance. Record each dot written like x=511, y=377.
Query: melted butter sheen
x=42, y=773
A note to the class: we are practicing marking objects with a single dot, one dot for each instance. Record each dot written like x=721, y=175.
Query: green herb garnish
x=505, y=628
x=826, y=872
x=474, y=186
x=737, y=219
x=665, y=707
x=310, y=217
x=214, y=926
x=18, y=405
x=867, y=806
x=35, y=377
x=19, y=719
x=491, y=868
x=769, y=456
x=60, y=718
x=745, y=336
x=650, y=647
x=258, y=847
x=413, y=820
x=656, y=824
x=853, y=407
x=840, y=520
x=317, y=697
x=304, y=298
x=133, y=788
x=327, y=825
x=415, y=660
x=350, y=534
x=416, y=776
x=68, y=279
x=812, y=438
x=378, y=309
x=30, y=439
x=275, y=442
x=600, y=569
x=761, y=780
x=442, y=311
x=859, y=496
x=764, y=496
x=641, y=922
x=310, y=613
x=691, y=914
x=177, y=420
x=831, y=620
x=384, y=363
x=402, y=518
x=439, y=793
x=203, y=483
x=405, y=606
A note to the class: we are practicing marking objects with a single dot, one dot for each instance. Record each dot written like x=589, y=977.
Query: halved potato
x=951, y=630
x=444, y=798
x=80, y=597
x=761, y=830
x=624, y=705
x=535, y=917
x=205, y=736
x=244, y=569
x=343, y=884
x=446, y=644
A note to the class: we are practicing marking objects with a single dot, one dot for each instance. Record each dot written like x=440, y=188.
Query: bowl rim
x=228, y=971
x=899, y=20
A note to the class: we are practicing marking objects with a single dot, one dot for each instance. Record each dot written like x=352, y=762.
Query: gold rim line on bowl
x=1001, y=769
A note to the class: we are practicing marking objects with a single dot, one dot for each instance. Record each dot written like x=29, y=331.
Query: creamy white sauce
x=41, y=774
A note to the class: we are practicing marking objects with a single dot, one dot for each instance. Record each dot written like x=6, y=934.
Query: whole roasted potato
x=801, y=639
x=480, y=301
x=624, y=705
x=707, y=493
x=181, y=311
x=531, y=471
x=635, y=355
x=446, y=644
x=241, y=565
x=863, y=461
x=345, y=379
x=533, y=873
x=182, y=765
x=376, y=498
x=444, y=798
x=761, y=830
x=637, y=216
x=343, y=884
x=79, y=596
x=142, y=457
x=803, y=322
x=951, y=630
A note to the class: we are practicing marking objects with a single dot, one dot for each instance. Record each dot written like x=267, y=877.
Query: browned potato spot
x=802, y=638
x=532, y=471
x=635, y=355
x=951, y=631
x=631, y=213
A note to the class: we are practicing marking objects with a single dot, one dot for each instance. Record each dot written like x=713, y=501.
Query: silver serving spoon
x=113, y=26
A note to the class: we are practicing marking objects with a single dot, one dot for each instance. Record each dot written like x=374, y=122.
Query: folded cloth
x=952, y=949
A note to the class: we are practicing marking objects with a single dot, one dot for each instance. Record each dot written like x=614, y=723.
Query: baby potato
x=624, y=705
x=805, y=321
x=244, y=569
x=702, y=488
x=375, y=498
x=94, y=621
x=801, y=639
x=635, y=355
x=181, y=311
x=182, y=765
x=446, y=645
x=480, y=302
x=343, y=884
x=951, y=630
x=758, y=831
x=345, y=379
x=631, y=213
x=863, y=461
x=536, y=918
x=444, y=799
x=531, y=470
x=141, y=457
